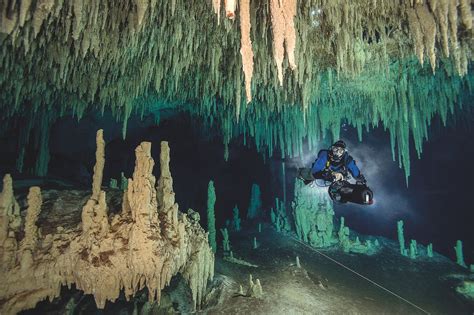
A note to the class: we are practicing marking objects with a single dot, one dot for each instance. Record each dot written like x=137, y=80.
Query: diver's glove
x=360, y=180
x=337, y=176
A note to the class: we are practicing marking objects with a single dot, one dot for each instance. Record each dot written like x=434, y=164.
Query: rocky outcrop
x=143, y=245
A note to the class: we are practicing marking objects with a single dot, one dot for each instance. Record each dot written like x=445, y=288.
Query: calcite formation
x=353, y=61
x=236, y=221
x=143, y=245
x=211, y=217
x=314, y=215
x=254, y=289
x=279, y=217
x=255, y=204
x=136, y=56
x=459, y=254
x=9, y=209
x=246, y=47
x=284, y=34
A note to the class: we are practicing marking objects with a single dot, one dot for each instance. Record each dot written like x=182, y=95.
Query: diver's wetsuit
x=323, y=166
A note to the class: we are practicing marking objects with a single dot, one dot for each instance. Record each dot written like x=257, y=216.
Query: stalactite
x=442, y=15
x=428, y=27
x=89, y=57
x=278, y=31
x=142, y=6
x=453, y=24
x=466, y=16
x=41, y=12
x=246, y=47
x=289, y=11
x=230, y=6
x=217, y=9
x=415, y=30
x=23, y=12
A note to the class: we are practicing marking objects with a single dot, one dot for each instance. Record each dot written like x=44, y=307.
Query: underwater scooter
x=340, y=191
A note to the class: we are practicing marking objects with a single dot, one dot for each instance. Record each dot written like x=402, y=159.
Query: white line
x=362, y=276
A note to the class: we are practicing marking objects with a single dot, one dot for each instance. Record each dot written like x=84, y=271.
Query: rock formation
x=284, y=33
x=246, y=47
x=144, y=245
x=236, y=221
x=255, y=204
x=211, y=218
x=9, y=209
x=401, y=238
x=314, y=215
x=279, y=216
x=356, y=61
x=459, y=254
x=254, y=289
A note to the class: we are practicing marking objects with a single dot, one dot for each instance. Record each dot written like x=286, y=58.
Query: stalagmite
x=9, y=209
x=401, y=238
x=211, y=219
x=31, y=230
x=313, y=215
x=94, y=212
x=459, y=254
x=225, y=240
x=166, y=199
x=29, y=242
x=255, y=204
x=99, y=165
x=246, y=47
x=236, y=219
x=141, y=190
x=429, y=250
x=135, y=252
x=113, y=183
x=254, y=289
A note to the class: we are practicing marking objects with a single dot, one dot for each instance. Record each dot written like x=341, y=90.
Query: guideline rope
x=360, y=275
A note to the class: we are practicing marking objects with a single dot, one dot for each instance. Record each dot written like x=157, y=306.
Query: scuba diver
x=333, y=166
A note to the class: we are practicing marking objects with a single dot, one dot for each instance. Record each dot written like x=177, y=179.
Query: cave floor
x=321, y=286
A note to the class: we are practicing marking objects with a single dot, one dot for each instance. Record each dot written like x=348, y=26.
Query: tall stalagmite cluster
x=144, y=245
x=314, y=215
x=353, y=61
